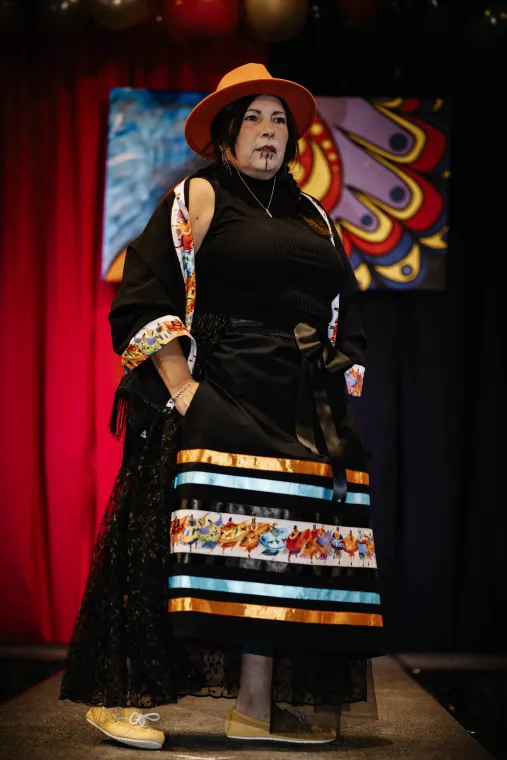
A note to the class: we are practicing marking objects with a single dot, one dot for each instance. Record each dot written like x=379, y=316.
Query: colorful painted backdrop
x=379, y=166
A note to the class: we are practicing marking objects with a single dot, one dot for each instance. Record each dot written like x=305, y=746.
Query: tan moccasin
x=239, y=726
x=129, y=726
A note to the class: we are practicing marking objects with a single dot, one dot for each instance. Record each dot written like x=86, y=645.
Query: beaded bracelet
x=190, y=382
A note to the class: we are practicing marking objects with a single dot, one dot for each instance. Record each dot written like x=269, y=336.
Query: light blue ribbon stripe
x=252, y=484
x=262, y=484
x=268, y=589
x=357, y=498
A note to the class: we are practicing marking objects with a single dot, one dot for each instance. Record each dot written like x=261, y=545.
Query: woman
x=215, y=571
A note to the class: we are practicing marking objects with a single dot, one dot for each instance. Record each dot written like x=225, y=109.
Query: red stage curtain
x=59, y=372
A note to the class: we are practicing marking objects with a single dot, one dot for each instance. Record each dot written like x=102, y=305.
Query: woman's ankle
x=254, y=708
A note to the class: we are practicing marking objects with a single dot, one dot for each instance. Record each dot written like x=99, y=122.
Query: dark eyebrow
x=257, y=111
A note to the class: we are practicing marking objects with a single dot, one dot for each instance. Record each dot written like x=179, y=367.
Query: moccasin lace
x=138, y=719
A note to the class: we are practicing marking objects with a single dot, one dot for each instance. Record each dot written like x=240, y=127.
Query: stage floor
x=412, y=724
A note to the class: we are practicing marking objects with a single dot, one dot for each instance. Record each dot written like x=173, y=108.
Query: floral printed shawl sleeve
x=155, y=301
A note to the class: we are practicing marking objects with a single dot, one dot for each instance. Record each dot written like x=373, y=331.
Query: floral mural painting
x=380, y=167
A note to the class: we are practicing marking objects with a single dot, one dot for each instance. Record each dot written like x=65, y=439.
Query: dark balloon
x=63, y=16
x=119, y=14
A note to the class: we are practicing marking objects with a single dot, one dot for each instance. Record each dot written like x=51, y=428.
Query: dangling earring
x=225, y=162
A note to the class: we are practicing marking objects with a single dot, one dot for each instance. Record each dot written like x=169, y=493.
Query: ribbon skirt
x=223, y=535
x=262, y=550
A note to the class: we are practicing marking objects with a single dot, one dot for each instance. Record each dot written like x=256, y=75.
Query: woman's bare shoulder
x=200, y=194
x=201, y=207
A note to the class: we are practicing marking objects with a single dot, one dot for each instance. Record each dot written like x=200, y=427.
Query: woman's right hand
x=185, y=399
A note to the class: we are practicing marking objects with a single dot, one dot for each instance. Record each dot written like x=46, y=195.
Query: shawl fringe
x=133, y=413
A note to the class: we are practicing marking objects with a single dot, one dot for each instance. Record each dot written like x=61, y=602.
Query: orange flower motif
x=354, y=379
x=185, y=234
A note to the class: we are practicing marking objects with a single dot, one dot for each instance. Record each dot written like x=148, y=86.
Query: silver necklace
x=266, y=208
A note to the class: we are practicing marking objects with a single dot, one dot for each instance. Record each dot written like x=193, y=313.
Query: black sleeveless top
x=277, y=270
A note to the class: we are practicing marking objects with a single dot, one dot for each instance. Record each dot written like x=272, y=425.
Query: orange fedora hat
x=250, y=79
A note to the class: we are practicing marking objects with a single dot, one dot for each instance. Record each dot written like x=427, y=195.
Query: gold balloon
x=118, y=14
x=275, y=20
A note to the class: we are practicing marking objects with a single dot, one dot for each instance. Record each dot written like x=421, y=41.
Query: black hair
x=224, y=133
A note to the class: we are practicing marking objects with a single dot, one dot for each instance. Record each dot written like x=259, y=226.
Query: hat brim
x=198, y=124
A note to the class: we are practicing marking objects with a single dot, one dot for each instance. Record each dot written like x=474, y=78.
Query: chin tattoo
x=268, y=159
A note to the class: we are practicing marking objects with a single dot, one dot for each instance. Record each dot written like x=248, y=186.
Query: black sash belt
x=322, y=364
